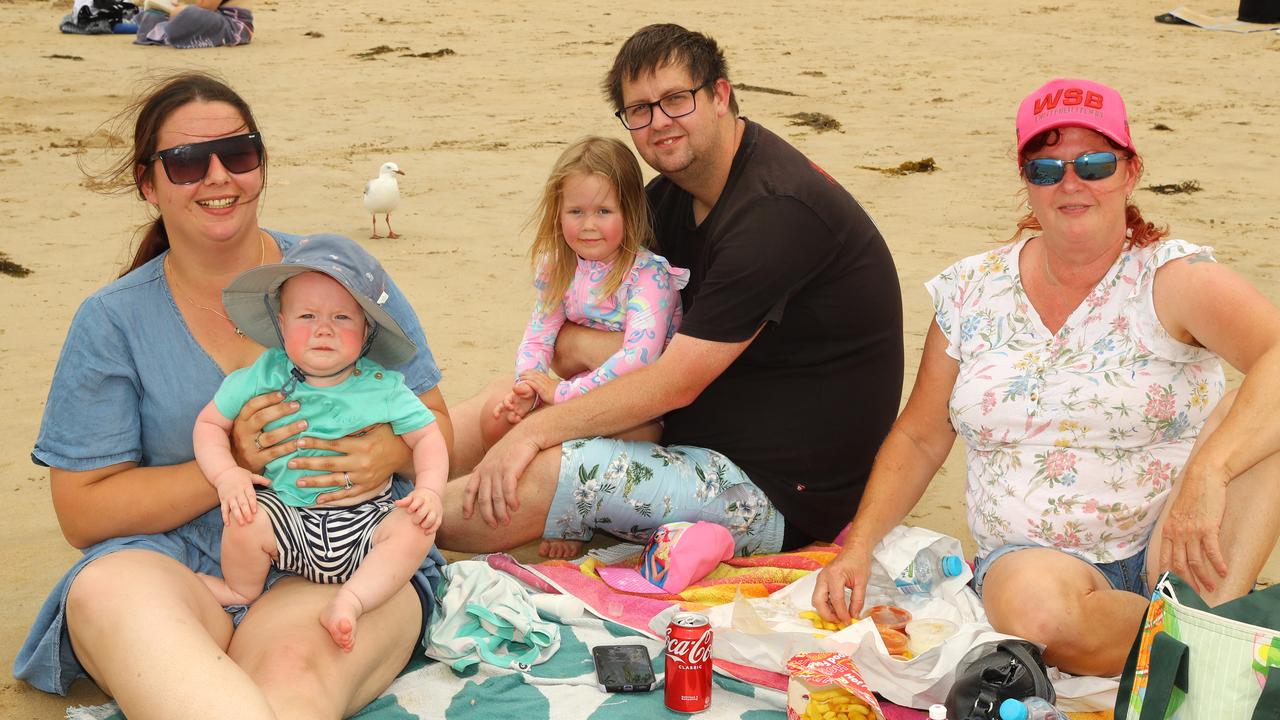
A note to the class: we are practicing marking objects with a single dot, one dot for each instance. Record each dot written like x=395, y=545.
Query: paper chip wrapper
x=827, y=686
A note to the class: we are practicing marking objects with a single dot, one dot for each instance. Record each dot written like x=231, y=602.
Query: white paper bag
x=766, y=632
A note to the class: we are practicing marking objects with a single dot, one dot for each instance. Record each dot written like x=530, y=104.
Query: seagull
x=381, y=195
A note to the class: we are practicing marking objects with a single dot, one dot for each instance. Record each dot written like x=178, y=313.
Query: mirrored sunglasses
x=186, y=164
x=1090, y=166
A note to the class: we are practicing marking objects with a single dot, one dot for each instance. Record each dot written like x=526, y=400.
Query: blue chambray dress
x=127, y=388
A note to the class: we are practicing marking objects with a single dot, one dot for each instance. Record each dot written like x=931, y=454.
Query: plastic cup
x=888, y=616
x=924, y=634
x=894, y=640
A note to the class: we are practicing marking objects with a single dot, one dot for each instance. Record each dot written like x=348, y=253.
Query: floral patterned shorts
x=628, y=488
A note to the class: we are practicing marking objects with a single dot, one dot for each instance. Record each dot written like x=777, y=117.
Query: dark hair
x=655, y=46
x=150, y=110
x=1141, y=232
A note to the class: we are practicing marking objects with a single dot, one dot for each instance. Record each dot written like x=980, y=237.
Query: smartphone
x=623, y=668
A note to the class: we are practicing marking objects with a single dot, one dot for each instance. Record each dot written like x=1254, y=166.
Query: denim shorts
x=629, y=488
x=1129, y=574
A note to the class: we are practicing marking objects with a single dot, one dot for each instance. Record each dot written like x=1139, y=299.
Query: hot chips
x=836, y=704
x=821, y=624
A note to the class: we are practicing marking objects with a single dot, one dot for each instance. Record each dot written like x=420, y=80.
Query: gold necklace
x=262, y=257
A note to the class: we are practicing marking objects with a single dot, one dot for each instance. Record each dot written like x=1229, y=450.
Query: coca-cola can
x=688, y=663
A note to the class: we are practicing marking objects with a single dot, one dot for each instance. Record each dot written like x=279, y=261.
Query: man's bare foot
x=340, y=617
x=222, y=592
x=560, y=549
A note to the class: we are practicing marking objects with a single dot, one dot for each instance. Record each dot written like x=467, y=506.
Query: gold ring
x=346, y=481
x=257, y=440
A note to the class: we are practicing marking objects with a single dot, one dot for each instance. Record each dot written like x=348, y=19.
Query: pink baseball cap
x=1073, y=102
x=677, y=555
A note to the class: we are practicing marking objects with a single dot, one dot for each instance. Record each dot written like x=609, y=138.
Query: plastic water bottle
x=1032, y=708
x=921, y=575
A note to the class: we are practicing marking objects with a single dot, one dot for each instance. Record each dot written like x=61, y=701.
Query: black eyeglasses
x=186, y=164
x=1090, y=166
x=675, y=105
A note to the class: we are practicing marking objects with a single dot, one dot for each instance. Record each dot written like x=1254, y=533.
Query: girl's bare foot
x=560, y=549
x=340, y=617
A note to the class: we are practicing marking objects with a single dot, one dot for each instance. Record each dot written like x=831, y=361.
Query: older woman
x=1081, y=368
x=141, y=358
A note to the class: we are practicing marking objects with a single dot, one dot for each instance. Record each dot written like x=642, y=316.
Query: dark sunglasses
x=186, y=164
x=1089, y=166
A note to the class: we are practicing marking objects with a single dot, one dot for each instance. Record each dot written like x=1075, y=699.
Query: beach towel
x=563, y=687
x=787, y=578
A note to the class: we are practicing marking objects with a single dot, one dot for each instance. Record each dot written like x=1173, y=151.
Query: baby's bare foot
x=340, y=617
x=560, y=549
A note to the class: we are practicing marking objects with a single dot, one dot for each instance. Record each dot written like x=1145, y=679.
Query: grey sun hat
x=253, y=299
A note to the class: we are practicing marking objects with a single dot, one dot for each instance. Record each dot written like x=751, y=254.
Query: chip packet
x=827, y=686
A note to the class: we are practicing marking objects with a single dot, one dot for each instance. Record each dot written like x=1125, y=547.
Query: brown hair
x=1140, y=232
x=150, y=111
x=614, y=161
x=655, y=46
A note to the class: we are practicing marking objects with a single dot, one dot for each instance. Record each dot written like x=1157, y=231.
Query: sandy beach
x=476, y=128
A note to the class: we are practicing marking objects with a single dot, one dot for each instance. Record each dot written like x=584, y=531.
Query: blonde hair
x=613, y=160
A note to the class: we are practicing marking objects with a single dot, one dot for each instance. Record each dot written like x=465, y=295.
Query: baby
x=320, y=314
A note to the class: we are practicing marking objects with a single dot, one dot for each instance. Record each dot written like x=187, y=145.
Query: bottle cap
x=952, y=565
x=937, y=712
x=1013, y=709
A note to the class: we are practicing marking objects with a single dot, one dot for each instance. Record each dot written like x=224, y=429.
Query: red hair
x=1140, y=231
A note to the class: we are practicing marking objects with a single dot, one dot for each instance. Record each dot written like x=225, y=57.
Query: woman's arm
x=1207, y=304
x=125, y=499
x=914, y=449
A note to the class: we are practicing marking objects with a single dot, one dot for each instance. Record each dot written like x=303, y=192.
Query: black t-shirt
x=804, y=409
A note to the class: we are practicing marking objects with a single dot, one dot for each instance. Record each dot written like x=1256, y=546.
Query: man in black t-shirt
x=786, y=371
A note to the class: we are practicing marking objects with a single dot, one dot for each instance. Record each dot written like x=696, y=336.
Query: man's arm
x=580, y=348
x=683, y=371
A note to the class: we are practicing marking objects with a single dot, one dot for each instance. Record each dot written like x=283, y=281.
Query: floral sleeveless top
x=1073, y=439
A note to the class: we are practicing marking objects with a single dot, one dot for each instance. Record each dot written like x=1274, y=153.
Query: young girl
x=593, y=267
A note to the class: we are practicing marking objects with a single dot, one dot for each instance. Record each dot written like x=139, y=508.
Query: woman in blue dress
x=142, y=356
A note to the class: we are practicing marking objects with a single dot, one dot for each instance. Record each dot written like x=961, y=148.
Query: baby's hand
x=424, y=507
x=236, y=494
x=541, y=383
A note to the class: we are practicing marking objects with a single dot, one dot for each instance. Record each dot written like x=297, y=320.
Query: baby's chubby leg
x=247, y=551
x=398, y=549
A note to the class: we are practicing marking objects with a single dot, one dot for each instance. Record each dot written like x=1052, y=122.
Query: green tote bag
x=1193, y=662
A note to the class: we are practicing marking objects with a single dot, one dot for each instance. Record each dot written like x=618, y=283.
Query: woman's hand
x=251, y=446
x=364, y=462
x=1189, y=538
x=842, y=585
